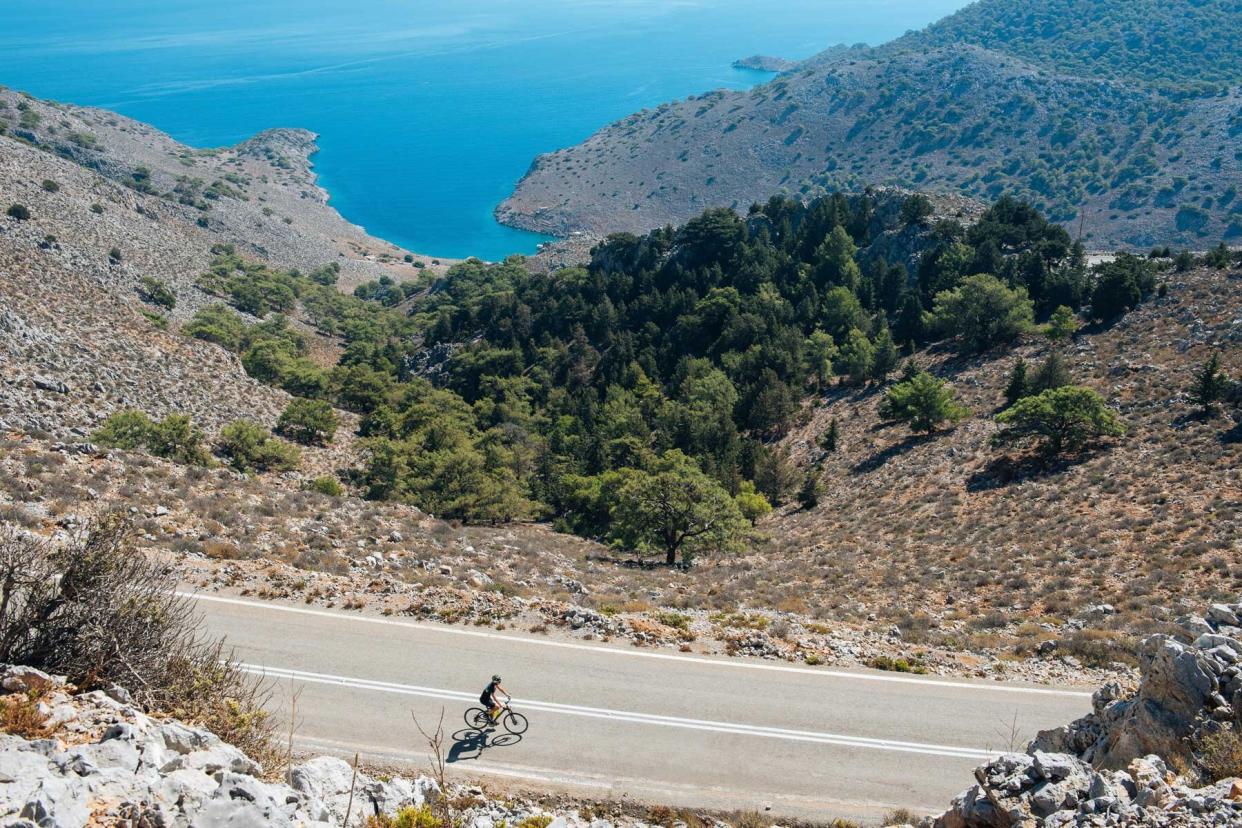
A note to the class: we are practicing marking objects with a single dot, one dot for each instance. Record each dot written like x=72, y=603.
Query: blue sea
x=429, y=111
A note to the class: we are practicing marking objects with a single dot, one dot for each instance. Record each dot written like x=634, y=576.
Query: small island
x=765, y=63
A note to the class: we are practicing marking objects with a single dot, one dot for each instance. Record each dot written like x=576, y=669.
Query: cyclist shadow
x=469, y=743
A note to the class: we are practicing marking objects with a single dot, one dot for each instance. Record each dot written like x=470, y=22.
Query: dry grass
x=20, y=716
x=1220, y=755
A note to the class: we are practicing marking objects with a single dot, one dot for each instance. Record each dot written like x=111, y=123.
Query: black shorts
x=487, y=701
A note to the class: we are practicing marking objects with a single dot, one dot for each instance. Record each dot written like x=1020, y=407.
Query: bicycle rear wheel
x=477, y=718
x=516, y=723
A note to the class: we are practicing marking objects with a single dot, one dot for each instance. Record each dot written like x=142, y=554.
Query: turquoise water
x=428, y=111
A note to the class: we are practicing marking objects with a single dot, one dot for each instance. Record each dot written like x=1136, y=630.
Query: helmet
x=495, y=678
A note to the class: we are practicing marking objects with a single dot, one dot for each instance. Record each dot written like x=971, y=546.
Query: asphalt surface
x=652, y=725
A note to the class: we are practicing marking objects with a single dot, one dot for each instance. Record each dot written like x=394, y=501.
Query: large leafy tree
x=675, y=508
x=983, y=312
x=1065, y=419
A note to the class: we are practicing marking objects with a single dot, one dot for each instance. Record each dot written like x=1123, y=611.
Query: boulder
x=17, y=679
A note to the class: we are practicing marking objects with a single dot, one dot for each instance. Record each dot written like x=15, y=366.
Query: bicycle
x=480, y=719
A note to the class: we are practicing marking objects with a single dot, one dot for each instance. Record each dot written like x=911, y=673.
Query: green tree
x=19, y=212
x=752, y=504
x=857, y=355
x=821, y=352
x=677, y=509
x=1060, y=420
x=916, y=210
x=829, y=439
x=129, y=430
x=812, y=489
x=1052, y=373
x=1019, y=384
x=885, y=358
x=308, y=421
x=216, y=323
x=177, y=438
x=249, y=447
x=1062, y=324
x=924, y=402
x=1210, y=384
x=836, y=264
x=983, y=312
x=1120, y=286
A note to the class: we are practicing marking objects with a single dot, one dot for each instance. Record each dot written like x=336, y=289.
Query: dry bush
x=1220, y=754
x=901, y=816
x=20, y=716
x=98, y=611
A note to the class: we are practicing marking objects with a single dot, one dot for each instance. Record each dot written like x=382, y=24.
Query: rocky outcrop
x=1110, y=767
x=107, y=762
x=1186, y=691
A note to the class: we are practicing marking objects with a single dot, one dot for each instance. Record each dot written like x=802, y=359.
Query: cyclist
x=488, y=698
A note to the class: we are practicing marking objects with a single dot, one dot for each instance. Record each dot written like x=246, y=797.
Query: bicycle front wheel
x=477, y=718
x=516, y=723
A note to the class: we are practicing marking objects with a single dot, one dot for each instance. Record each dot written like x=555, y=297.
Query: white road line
x=734, y=663
x=953, y=751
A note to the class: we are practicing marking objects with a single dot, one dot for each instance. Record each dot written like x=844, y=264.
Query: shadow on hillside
x=878, y=459
x=469, y=744
x=634, y=563
x=1006, y=470
x=1233, y=435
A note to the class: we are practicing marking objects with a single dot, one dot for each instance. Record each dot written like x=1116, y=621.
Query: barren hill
x=988, y=101
x=112, y=201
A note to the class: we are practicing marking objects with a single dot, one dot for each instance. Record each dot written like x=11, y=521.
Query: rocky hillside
x=108, y=203
x=947, y=529
x=991, y=100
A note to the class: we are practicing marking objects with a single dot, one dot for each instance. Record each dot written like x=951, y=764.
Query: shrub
x=173, y=437
x=329, y=486
x=176, y=438
x=1060, y=420
x=1220, y=754
x=154, y=292
x=97, y=209
x=129, y=430
x=922, y=401
x=99, y=611
x=19, y=212
x=983, y=312
x=308, y=421
x=50, y=186
x=115, y=255
x=249, y=447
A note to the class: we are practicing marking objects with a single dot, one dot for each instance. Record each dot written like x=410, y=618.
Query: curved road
x=611, y=721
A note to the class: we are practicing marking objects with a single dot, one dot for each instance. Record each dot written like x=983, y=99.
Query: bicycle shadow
x=469, y=743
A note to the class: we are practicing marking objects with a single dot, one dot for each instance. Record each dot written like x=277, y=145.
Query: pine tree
x=1052, y=373
x=812, y=490
x=884, y=359
x=828, y=440
x=1019, y=386
x=1062, y=324
x=1210, y=385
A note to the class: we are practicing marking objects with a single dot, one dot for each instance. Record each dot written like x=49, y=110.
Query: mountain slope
x=991, y=100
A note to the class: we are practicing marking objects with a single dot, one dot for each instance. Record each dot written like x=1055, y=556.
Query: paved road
x=654, y=725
